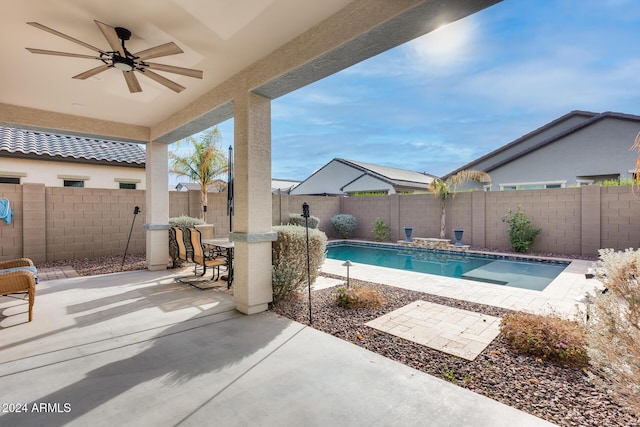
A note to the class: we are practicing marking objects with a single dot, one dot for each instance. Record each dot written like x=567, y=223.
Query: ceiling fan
x=120, y=58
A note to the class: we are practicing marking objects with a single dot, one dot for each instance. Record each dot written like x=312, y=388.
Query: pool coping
x=487, y=254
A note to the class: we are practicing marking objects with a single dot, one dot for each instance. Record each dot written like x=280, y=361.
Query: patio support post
x=156, y=209
x=252, y=220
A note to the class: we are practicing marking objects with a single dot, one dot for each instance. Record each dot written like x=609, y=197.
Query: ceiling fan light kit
x=120, y=58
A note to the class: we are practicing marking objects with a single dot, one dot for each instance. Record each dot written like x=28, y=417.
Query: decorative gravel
x=102, y=265
x=559, y=394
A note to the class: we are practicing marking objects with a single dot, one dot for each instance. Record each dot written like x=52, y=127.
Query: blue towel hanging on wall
x=5, y=210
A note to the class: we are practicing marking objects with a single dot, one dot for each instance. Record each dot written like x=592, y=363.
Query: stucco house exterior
x=68, y=161
x=577, y=149
x=344, y=177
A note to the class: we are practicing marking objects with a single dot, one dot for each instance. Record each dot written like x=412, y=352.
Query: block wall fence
x=53, y=223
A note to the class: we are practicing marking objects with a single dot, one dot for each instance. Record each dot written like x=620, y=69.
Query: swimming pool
x=499, y=270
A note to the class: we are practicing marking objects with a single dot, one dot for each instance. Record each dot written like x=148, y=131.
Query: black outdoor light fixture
x=305, y=214
x=347, y=264
x=136, y=211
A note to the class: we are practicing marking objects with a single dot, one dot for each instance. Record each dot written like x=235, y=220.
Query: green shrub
x=622, y=182
x=358, y=296
x=344, y=225
x=521, y=232
x=185, y=221
x=548, y=337
x=298, y=219
x=381, y=231
x=289, y=258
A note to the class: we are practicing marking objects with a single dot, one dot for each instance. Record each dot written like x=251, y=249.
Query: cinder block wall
x=319, y=206
x=73, y=223
x=92, y=222
x=573, y=220
x=619, y=218
x=366, y=210
x=187, y=203
x=11, y=244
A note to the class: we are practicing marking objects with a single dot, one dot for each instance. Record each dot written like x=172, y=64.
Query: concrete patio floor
x=137, y=348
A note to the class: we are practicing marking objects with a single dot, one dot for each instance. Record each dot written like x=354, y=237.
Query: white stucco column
x=252, y=203
x=156, y=210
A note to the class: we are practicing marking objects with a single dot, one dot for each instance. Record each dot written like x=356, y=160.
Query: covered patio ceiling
x=272, y=46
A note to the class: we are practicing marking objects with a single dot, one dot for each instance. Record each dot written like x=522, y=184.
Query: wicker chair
x=18, y=281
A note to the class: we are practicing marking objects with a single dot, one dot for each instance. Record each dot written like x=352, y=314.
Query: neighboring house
x=579, y=148
x=69, y=161
x=218, y=186
x=283, y=186
x=343, y=177
x=278, y=186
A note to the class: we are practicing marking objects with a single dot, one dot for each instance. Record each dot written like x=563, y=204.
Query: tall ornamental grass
x=614, y=327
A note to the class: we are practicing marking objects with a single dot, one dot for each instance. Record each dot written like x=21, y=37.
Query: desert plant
x=381, y=231
x=446, y=189
x=614, y=327
x=358, y=296
x=185, y=221
x=289, y=258
x=521, y=232
x=620, y=182
x=548, y=337
x=344, y=225
x=298, y=219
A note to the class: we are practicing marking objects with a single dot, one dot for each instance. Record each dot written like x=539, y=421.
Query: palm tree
x=445, y=189
x=203, y=164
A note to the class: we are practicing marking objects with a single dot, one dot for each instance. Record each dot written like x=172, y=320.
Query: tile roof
x=27, y=142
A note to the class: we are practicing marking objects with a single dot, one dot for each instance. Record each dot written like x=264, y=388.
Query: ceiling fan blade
x=176, y=70
x=112, y=37
x=91, y=72
x=56, y=53
x=163, y=50
x=64, y=36
x=163, y=81
x=132, y=81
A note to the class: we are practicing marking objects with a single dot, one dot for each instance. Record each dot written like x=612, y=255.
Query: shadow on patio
x=120, y=340
x=138, y=349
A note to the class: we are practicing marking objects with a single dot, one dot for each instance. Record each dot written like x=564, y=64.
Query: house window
x=73, y=180
x=127, y=183
x=7, y=177
x=9, y=180
x=533, y=185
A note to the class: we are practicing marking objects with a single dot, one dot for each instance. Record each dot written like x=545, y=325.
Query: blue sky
x=440, y=101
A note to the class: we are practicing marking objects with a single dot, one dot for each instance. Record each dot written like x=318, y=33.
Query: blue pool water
x=534, y=275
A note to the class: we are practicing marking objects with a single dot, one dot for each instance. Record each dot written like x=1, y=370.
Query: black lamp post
x=305, y=214
x=136, y=211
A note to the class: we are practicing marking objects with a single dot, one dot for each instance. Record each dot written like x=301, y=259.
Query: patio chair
x=18, y=276
x=202, y=257
x=183, y=253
